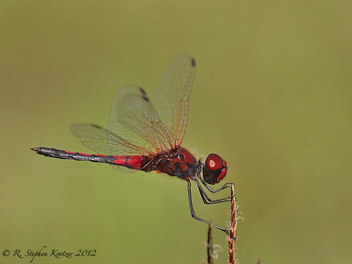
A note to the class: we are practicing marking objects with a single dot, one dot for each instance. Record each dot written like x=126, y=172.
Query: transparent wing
x=139, y=126
x=134, y=128
x=133, y=117
x=171, y=98
x=105, y=142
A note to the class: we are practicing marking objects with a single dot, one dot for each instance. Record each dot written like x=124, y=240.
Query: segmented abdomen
x=131, y=162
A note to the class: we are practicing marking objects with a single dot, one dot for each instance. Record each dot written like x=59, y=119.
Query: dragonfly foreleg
x=206, y=199
x=226, y=185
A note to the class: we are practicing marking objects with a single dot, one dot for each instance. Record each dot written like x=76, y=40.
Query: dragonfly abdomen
x=62, y=154
x=131, y=162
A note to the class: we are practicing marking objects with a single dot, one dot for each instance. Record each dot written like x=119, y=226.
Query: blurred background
x=272, y=96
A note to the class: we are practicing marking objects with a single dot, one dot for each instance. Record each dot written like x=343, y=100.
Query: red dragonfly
x=146, y=135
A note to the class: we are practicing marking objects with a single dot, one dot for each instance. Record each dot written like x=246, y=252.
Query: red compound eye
x=214, y=162
x=214, y=169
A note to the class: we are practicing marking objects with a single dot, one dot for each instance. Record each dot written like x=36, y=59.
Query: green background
x=272, y=96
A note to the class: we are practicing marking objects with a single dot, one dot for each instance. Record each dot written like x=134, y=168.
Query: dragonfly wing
x=139, y=126
x=133, y=117
x=123, y=169
x=171, y=98
x=93, y=137
x=104, y=142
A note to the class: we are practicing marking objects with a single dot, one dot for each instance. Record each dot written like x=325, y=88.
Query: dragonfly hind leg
x=194, y=214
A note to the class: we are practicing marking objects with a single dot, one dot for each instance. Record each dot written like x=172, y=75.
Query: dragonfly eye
x=214, y=169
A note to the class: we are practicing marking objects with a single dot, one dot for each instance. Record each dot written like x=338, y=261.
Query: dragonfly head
x=214, y=169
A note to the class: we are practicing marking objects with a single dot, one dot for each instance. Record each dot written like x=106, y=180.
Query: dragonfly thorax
x=177, y=162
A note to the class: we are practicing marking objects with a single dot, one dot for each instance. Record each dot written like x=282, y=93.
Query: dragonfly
x=146, y=135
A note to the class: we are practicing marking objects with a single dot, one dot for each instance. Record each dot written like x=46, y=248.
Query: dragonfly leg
x=206, y=199
x=194, y=214
x=226, y=185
